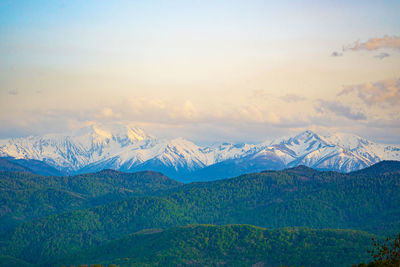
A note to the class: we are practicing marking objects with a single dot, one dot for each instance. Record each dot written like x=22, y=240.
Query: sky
x=208, y=71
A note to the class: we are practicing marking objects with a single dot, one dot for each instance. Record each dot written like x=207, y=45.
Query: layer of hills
x=229, y=245
x=139, y=219
x=130, y=149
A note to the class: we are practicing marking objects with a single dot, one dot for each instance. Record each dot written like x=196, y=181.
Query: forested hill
x=273, y=199
x=25, y=196
x=386, y=166
x=230, y=245
x=7, y=165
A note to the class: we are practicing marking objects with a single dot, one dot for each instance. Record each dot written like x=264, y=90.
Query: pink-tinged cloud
x=376, y=43
x=372, y=93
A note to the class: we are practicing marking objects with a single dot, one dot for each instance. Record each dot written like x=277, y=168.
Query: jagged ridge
x=127, y=148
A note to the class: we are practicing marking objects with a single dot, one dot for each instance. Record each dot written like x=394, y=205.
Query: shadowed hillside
x=289, y=198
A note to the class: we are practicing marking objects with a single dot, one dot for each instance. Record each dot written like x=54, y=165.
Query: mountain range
x=125, y=148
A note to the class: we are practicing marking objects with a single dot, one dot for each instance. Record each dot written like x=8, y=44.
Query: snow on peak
x=348, y=141
x=136, y=134
x=181, y=142
x=299, y=144
x=302, y=137
x=101, y=132
x=112, y=131
x=123, y=147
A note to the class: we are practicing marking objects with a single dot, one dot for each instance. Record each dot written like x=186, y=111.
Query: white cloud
x=252, y=120
x=189, y=110
x=108, y=112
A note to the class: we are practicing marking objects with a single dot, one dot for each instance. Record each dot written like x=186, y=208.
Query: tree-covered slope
x=7, y=261
x=25, y=196
x=386, y=166
x=298, y=197
x=229, y=245
x=36, y=166
x=59, y=235
x=7, y=165
x=294, y=197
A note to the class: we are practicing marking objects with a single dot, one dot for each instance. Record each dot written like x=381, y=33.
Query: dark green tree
x=386, y=254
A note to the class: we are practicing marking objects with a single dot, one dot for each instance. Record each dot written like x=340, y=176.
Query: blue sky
x=203, y=70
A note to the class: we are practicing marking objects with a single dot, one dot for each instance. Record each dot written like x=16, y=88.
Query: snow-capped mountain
x=71, y=152
x=365, y=148
x=310, y=149
x=127, y=148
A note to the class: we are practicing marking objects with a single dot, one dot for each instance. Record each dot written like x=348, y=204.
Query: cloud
x=160, y=110
x=292, y=98
x=382, y=55
x=336, y=54
x=339, y=109
x=375, y=43
x=13, y=92
x=254, y=113
x=189, y=110
x=250, y=120
x=259, y=94
x=109, y=113
x=372, y=93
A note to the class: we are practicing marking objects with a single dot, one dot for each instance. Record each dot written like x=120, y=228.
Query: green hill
x=298, y=197
x=26, y=196
x=230, y=245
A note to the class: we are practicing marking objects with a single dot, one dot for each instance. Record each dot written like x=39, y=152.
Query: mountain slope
x=25, y=196
x=230, y=245
x=364, y=148
x=7, y=261
x=74, y=151
x=35, y=166
x=127, y=148
x=263, y=160
x=8, y=165
x=295, y=197
x=386, y=166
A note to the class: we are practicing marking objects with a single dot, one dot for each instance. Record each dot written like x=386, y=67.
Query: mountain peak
x=181, y=142
x=113, y=131
x=126, y=147
x=135, y=133
x=307, y=134
x=304, y=136
x=348, y=141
